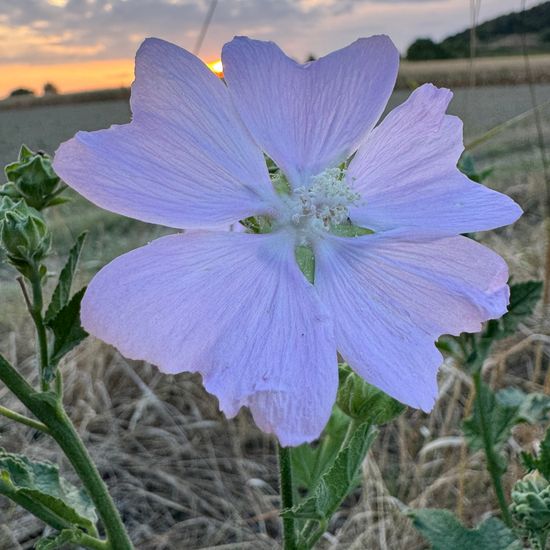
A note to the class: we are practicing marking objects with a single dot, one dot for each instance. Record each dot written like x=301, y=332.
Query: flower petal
x=407, y=176
x=309, y=117
x=391, y=299
x=234, y=307
x=184, y=161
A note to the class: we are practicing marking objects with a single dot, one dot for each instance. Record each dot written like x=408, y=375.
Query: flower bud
x=31, y=178
x=23, y=234
x=364, y=402
x=531, y=506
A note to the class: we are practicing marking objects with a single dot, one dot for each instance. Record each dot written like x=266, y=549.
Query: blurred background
x=182, y=475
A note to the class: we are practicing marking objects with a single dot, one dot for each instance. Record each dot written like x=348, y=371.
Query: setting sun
x=216, y=67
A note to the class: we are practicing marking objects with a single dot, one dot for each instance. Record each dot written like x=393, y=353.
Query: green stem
x=490, y=453
x=286, y=489
x=22, y=419
x=41, y=337
x=48, y=410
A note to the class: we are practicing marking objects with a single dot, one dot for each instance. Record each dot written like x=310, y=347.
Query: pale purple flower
x=235, y=306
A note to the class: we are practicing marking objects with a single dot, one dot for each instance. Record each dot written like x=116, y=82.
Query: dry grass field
x=182, y=475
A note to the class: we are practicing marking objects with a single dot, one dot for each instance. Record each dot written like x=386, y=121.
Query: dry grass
x=185, y=478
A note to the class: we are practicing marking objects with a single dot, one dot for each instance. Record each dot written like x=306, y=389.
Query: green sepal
x=67, y=331
x=361, y=401
x=62, y=291
x=40, y=485
x=32, y=178
x=445, y=532
x=350, y=230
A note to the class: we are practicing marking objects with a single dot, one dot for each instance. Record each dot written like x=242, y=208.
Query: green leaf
x=310, y=461
x=66, y=328
x=542, y=461
x=40, y=484
x=445, y=532
x=338, y=480
x=503, y=410
x=523, y=300
x=60, y=540
x=62, y=291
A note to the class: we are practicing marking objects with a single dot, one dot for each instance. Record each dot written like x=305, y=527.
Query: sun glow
x=216, y=67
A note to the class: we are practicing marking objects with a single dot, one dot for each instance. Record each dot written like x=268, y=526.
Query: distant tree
x=426, y=48
x=50, y=89
x=21, y=91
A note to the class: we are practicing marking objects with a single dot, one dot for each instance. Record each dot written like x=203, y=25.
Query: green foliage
x=310, y=461
x=530, y=508
x=495, y=414
x=32, y=179
x=60, y=540
x=425, y=48
x=66, y=329
x=364, y=402
x=40, y=486
x=334, y=484
x=466, y=166
x=542, y=461
x=445, y=532
x=62, y=291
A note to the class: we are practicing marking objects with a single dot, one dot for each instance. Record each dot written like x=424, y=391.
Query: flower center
x=320, y=207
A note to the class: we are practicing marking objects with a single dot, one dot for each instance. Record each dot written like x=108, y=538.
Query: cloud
x=59, y=31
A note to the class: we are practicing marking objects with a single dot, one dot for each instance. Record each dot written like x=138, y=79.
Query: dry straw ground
x=182, y=475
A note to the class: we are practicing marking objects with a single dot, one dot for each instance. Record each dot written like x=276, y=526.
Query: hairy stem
x=286, y=489
x=41, y=337
x=490, y=453
x=22, y=419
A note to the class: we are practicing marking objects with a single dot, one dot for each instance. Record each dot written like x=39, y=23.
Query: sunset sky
x=89, y=44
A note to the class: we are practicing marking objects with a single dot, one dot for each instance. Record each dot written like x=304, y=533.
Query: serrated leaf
x=501, y=415
x=338, y=480
x=541, y=462
x=41, y=484
x=445, y=532
x=523, y=300
x=66, y=328
x=310, y=461
x=62, y=292
x=64, y=537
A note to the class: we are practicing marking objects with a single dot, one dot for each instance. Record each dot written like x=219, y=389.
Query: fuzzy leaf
x=66, y=328
x=338, y=480
x=60, y=540
x=41, y=484
x=62, y=292
x=445, y=532
x=310, y=461
x=542, y=461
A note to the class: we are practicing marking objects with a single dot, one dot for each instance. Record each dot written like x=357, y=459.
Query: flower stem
x=286, y=489
x=41, y=337
x=490, y=454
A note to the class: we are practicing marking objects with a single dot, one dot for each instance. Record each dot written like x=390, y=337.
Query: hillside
x=500, y=36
